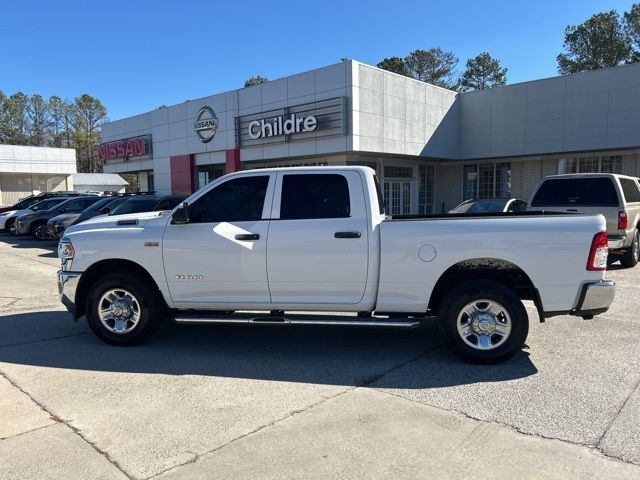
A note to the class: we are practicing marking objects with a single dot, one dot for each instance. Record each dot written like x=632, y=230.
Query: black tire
x=39, y=231
x=151, y=307
x=630, y=257
x=463, y=295
x=10, y=226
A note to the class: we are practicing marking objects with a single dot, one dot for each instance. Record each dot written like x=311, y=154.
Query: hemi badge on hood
x=151, y=244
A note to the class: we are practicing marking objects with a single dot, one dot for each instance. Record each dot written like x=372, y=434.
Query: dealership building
x=431, y=147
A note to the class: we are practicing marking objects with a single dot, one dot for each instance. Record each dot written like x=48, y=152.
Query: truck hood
x=116, y=221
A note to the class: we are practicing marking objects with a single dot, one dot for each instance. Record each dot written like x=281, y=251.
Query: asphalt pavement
x=294, y=402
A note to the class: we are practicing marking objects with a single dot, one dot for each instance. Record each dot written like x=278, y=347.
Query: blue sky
x=137, y=55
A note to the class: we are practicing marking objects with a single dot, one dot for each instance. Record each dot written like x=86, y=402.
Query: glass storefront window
x=470, y=182
x=486, y=180
x=425, y=189
x=208, y=174
x=600, y=164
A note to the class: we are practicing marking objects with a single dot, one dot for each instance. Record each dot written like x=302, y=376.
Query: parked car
x=7, y=219
x=317, y=238
x=617, y=197
x=147, y=203
x=33, y=199
x=486, y=205
x=36, y=223
x=58, y=224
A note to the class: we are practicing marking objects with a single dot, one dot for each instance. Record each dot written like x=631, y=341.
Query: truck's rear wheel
x=630, y=257
x=122, y=308
x=483, y=322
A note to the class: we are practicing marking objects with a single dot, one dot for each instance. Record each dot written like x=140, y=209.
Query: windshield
x=134, y=205
x=481, y=206
x=26, y=203
x=47, y=204
x=98, y=205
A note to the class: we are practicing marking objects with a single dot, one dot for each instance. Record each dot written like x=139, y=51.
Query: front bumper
x=56, y=230
x=595, y=298
x=22, y=227
x=67, y=287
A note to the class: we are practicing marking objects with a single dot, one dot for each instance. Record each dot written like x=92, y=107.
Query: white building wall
x=25, y=159
x=596, y=110
x=394, y=114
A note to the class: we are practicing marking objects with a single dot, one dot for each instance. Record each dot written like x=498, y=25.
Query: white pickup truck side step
x=350, y=321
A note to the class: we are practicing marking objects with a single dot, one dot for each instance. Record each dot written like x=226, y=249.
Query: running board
x=303, y=320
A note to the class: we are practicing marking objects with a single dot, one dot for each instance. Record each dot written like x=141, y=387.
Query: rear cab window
x=585, y=192
x=314, y=196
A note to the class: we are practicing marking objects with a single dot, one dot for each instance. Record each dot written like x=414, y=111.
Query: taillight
x=623, y=221
x=599, y=252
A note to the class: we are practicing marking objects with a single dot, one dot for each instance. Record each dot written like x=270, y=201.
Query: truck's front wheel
x=122, y=308
x=483, y=322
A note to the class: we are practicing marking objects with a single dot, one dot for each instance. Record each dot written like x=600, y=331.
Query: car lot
x=271, y=402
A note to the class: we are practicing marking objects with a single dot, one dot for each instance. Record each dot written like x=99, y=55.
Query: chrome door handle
x=248, y=236
x=347, y=235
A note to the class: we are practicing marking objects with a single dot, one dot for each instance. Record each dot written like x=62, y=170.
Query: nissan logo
x=206, y=124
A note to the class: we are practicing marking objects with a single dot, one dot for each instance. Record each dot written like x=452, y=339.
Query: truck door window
x=314, y=196
x=237, y=200
x=630, y=189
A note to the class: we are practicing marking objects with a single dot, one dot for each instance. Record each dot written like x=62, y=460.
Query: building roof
x=98, y=179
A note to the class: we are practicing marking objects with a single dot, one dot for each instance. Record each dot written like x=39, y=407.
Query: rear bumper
x=67, y=287
x=595, y=298
x=616, y=242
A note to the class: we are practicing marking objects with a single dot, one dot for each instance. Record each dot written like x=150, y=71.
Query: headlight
x=65, y=250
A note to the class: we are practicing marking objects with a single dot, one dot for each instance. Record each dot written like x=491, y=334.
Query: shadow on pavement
x=29, y=242
x=337, y=356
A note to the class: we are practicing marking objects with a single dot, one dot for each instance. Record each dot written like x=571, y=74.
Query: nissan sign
x=206, y=124
x=125, y=148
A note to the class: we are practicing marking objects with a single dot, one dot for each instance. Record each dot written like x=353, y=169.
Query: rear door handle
x=572, y=210
x=347, y=235
x=248, y=236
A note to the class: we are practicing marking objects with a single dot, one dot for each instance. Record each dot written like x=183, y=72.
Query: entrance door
x=220, y=256
x=397, y=196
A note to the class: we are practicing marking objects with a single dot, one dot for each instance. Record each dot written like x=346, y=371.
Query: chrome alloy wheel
x=484, y=324
x=635, y=247
x=119, y=310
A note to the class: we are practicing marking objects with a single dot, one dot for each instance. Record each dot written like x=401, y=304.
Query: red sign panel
x=123, y=149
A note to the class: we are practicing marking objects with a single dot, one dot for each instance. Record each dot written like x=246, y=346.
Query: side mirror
x=181, y=215
x=105, y=210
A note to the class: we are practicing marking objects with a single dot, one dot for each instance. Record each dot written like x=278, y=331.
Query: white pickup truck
x=264, y=246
